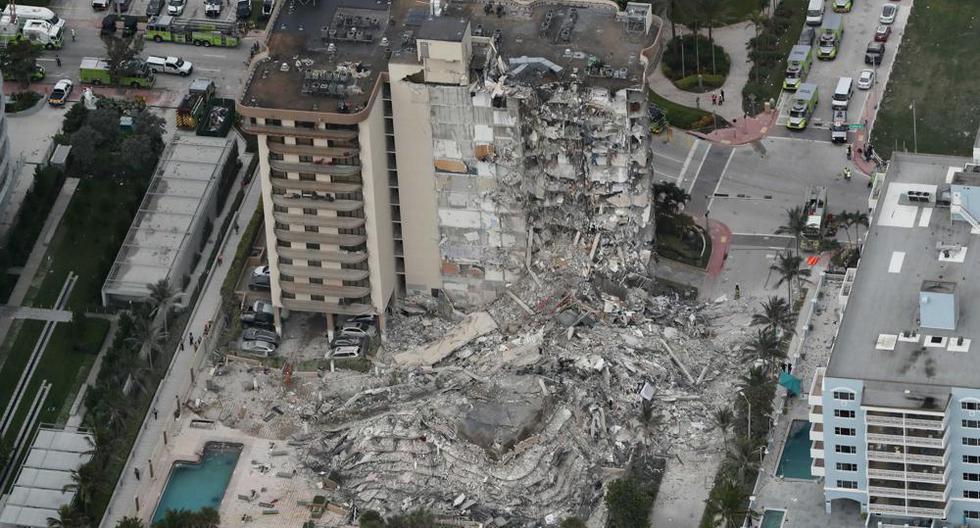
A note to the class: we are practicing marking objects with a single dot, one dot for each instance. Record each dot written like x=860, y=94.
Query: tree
x=147, y=334
x=766, y=346
x=74, y=118
x=146, y=123
x=724, y=418
x=670, y=198
x=19, y=59
x=206, y=518
x=789, y=269
x=416, y=519
x=711, y=12
x=628, y=505
x=729, y=501
x=776, y=315
x=84, y=148
x=105, y=121
x=859, y=219
x=370, y=519
x=794, y=226
x=119, y=51
x=68, y=517
x=130, y=522
x=572, y=522
x=162, y=295
x=86, y=482
x=742, y=458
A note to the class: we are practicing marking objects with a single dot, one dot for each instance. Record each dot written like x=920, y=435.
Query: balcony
x=313, y=150
x=339, y=222
x=929, y=425
x=273, y=130
x=342, y=257
x=327, y=307
x=885, y=421
x=886, y=474
x=923, y=476
x=316, y=272
x=886, y=508
x=911, y=458
x=918, y=441
x=885, y=491
x=297, y=185
x=343, y=292
x=816, y=432
x=930, y=495
x=817, y=468
x=929, y=460
x=936, y=513
x=816, y=450
x=320, y=238
x=816, y=388
x=816, y=414
x=315, y=168
x=298, y=202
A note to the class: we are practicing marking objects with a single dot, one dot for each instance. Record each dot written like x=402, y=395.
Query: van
x=831, y=33
x=842, y=94
x=814, y=13
x=797, y=67
x=173, y=65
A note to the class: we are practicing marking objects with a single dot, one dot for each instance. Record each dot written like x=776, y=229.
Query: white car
x=261, y=271
x=866, y=79
x=888, y=14
x=173, y=65
x=176, y=7
x=258, y=348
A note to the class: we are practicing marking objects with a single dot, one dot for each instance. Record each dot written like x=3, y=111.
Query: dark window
x=305, y=124
x=844, y=431
x=275, y=156
x=309, y=211
x=306, y=159
x=316, y=280
x=975, y=477
x=971, y=441
x=314, y=263
x=843, y=395
x=970, y=406
x=310, y=245
x=317, y=298
x=304, y=141
x=971, y=459
x=969, y=514
x=972, y=424
x=273, y=122
x=846, y=449
x=276, y=139
x=846, y=466
x=305, y=176
x=843, y=413
x=847, y=484
x=311, y=229
x=970, y=494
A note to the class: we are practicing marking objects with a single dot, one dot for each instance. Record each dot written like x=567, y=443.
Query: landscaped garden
x=695, y=63
x=774, y=39
x=678, y=237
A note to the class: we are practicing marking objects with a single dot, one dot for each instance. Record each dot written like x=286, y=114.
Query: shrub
x=707, y=82
x=768, y=53
x=629, y=504
x=697, y=57
x=22, y=101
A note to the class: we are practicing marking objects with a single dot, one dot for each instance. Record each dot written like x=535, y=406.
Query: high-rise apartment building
x=896, y=413
x=414, y=148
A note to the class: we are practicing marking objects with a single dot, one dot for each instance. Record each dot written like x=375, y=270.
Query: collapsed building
x=407, y=149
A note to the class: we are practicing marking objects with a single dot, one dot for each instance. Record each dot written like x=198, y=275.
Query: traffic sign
x=855, y=126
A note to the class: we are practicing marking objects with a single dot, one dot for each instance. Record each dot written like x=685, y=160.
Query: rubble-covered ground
x=526, y=420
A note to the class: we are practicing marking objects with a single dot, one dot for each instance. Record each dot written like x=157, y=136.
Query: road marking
x=698, y=173
x=687, y=162
x=42, y=59
x=208, y=69
x=664, y=156
x=214, y=56
x=721, y=178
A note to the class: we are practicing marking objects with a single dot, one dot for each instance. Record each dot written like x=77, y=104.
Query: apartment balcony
x=313, y=150
x=327, y=290
x=816, y=432
x=936, y=513
x=884, y=421
x=315, y=168
x=273, y=130
x=297, y=185
x=316, y=272
x=816, y=388
x=299, y=202
x=320, y=238
x=907, y=423
x=886, y=474
x=911, y=458
x=917, y=441
x=901, y=493
x=816, y=450
x=327, y=307
x=886, y=491
x=886, y=508
x=816, y=414
x=341, y=257
x=936, y=477
x=929, y=425
x=817, y=468
x=339, y=222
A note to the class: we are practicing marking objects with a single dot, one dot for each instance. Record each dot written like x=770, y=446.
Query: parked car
x=243, y=9
x=843, y=6
x=154, y=7
x=367, y=319
x=807, y=36
x=357, y=329
x=259, y=282
x=258, y=334
x=172, y=65
x=176, y=7
x=261, y=319
x=866, y=79
x=874, y=53
x=38, y=72
x=212, y=8
x=100, y=5
x=262, y=270
x=59, y=95
x=259, y=348
x=882, y=33
x=888, y=14
x=264, y=307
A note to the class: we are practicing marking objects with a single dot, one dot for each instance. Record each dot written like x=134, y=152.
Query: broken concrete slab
x=471, y=327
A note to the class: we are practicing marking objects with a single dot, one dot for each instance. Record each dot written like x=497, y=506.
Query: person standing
x=57, y=60
x=73, y=34
x=722, y=100
x=714, y=98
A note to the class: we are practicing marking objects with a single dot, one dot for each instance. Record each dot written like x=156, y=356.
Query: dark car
x=108, y=25
x=123, y=5
x=244, y=9
x=874, y=53
x=130, y=25
x=807, y=36
x=154, y=7
x=258, y=334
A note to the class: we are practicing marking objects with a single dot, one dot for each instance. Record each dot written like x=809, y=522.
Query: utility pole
x=915, y=135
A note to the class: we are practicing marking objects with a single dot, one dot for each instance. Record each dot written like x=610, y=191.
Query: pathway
x=78, y=406
x=39, y=314
x=733, y=39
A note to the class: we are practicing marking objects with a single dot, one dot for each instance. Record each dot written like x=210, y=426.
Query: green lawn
x=685, y=117
x=936, y=69
x=735, y=11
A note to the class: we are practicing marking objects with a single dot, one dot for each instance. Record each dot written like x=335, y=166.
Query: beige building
x=409, y=148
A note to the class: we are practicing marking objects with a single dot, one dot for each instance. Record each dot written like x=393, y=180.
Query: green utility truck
x=166, y=28
x=804, y=101
x=135, y=73
x=797, y=67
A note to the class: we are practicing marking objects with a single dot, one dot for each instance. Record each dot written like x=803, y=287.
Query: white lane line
x=698, y=173
x=687, y=162
x=212, y=55
x=721, y=178
x=42, y=59
x=207, y=69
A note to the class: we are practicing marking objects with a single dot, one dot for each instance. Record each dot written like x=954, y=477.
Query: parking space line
x=666, y=157
x=696, y=174
x=687, y=161
x=721, y=178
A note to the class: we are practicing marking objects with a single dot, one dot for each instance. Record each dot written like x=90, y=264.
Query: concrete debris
x=472, y=327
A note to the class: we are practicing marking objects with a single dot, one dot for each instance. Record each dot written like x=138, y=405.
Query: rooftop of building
x=915, y=258
x=188, y=171
x=317, y=46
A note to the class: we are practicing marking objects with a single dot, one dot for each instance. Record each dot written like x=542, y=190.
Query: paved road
x=710, y=172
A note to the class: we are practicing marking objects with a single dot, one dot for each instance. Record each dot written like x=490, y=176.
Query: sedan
x=882, y=33
x=866, y=80
x=154, y=7
x=261, y=271
x=260, y=348
x=258, y=334
x=888, y=14
x=176, y=7
x=59, y=95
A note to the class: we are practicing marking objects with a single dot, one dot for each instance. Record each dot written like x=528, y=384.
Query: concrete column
x=828, y=507
x=330, y=327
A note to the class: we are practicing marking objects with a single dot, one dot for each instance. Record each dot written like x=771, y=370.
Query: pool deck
x=803, y=500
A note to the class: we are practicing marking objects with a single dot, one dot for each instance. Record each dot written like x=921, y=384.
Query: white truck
x=39, y=32
x=21, y=14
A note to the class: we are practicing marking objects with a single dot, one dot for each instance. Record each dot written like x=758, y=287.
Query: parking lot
x=859, y=29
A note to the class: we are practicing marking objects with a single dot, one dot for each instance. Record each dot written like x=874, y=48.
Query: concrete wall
x=446, y=62
x=269, y=222
x=377, y=207
x=831, y=440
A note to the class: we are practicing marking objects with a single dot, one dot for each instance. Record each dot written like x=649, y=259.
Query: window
x=973, y=477
x=972, y=424
x=843, y=413
x=970, y=406
x=275, y=156
x=968, y=514
x=970, y=494
x=305, y=124
x=306, y=176
x=968, y=441
x=846, y=466
x=309, y=211
x=310, y=245
x=306, y=159
x=846, y=449
x=844, y=395
x=844, y=431
x=304, y=141
x=971, y=459
x=273, y=122
x=312, y=229
x=276, y=139
x=847, y=484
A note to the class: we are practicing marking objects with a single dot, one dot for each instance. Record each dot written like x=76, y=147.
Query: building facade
x=6, y=163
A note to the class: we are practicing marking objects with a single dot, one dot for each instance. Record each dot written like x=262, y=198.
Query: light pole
x=741, y=393
x=915, y=135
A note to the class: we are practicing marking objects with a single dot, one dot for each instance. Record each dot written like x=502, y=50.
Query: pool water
x=194, y=486
x=773, y=518
x=794, y=462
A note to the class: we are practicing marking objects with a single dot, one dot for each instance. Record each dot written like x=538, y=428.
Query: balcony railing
x=320, y=238
x=327, y=307
x=887, y=421
x=315, y=168
x=888, y=474
x=339, y=222
x=343, y=257
x=917, y=423
x=296, y=185
x=317, y=272
x=919, y=441
x=885, y=508
x=273, y=130
x=890, y=456
x=927, y=512
x=313, y=150
x=885, y=491
x=300, y=202
x=927, y=495
x=920, y=476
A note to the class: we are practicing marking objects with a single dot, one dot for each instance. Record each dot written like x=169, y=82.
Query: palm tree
x=790, y=271
x=776, y=315
x=724, y=418
x=743, y=458
x=68, y=517
x=794, y=226
x=729, y=500
x=711, y=12
x=130, y=522
x=85, y=483
x=147, y=334
x=162, y=295
x=766, y=346
x=859, y=219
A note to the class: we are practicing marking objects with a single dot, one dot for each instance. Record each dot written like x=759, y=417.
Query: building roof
x=39, y=489
x=187, y=173
x=911, y=246
x=357, y=38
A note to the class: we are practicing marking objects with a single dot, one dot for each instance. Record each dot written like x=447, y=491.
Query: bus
x=804, y=102
x=136, y=73
x=797, y=67
x=198, y=32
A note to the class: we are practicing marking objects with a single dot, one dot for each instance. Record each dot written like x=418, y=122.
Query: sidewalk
x=733, y=39
x=746, y=130
x=131, y=496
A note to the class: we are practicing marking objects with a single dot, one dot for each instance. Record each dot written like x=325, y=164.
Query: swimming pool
x=772, y=518
x=794, y=461
x=197, y=485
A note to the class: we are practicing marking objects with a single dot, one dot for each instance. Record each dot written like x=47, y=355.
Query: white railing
x=925, y=477
x=886, y=474
x=886, y=508
x=886, y=456
x=873, y=419
x=917, y=423
x=927, y=495
x=925, y=459
x=919, y=441
x=927, y=512
x=885, y=491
